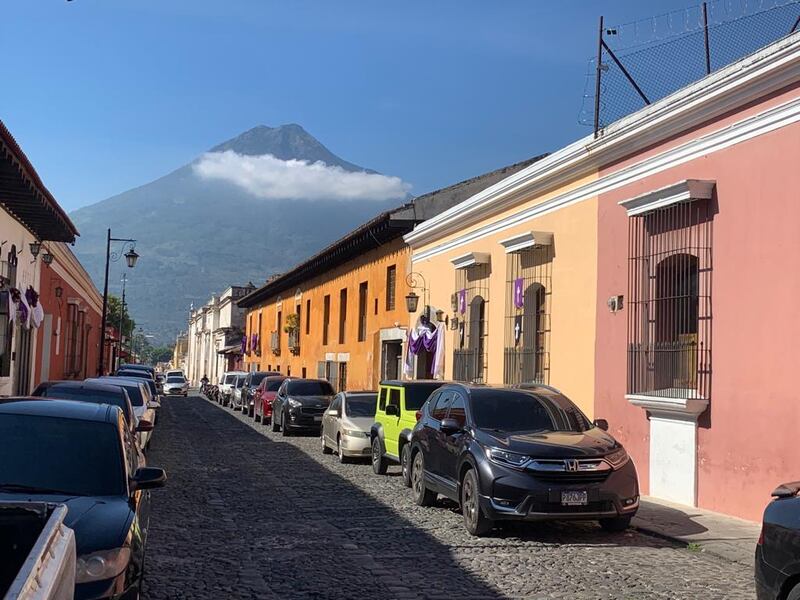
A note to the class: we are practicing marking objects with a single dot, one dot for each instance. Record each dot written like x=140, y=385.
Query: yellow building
x=341, y=314
x=513, y=272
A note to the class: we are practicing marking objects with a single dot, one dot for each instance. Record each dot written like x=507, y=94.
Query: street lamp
x=130, y=257
x=35, y=247
x=414, y=281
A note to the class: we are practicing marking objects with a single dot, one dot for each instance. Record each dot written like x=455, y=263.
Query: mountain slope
x=197, y=236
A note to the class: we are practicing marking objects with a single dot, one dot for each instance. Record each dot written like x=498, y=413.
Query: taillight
x=418, y=415
x=761, y=536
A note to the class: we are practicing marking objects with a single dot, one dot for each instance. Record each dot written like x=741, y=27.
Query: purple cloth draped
x=254, y=341
x=423, y=341
x=244, y=344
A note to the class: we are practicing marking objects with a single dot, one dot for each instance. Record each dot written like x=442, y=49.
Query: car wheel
x=340, y=451
x=284, y=429
x=794, y=593
x=474, y=519
x=405, y=464
x=422, y=495
x=275, y=426
x=615, y=524
x=256, y=417
x=325, y=449
x=379, y=465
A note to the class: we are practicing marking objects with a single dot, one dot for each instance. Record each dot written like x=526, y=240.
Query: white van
x=226, y=382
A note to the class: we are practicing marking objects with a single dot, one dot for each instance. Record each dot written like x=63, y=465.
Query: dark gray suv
x=525, y=454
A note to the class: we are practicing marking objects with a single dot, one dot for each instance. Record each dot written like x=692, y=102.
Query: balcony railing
x=677, y=369
x=294, y=341
x=275, y=343
x=468, y=365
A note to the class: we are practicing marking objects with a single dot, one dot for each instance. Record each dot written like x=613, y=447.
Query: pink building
x=698, y=217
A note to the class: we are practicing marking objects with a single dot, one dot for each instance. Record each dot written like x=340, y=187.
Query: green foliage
x=114, y=313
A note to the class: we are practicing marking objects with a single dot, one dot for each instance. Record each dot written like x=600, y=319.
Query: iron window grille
x=527, y=327
x=669, y=301
x=471, y=335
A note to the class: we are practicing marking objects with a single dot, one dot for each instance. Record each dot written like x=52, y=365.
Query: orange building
x=341, y=315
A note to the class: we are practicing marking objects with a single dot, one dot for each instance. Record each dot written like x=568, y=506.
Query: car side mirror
x=392, y=410
x=148, y=478
x=144, y=425
x=601, y=424
x=449, y=426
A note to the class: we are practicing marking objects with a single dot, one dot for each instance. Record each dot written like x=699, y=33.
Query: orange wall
x=363, y=368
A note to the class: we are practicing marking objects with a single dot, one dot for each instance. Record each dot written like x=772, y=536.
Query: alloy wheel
x=416, y=474
x=469, y=501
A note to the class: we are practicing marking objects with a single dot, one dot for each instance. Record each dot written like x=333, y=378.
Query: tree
x=115, y=311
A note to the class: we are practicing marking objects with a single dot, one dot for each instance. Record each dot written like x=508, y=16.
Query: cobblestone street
x=248, y=514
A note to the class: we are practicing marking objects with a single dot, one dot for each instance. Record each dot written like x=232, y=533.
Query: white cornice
x=683, y=191
x=689, y=408
x=469, y=259
x=770, y=69
x=529, y=239
x=770, y=120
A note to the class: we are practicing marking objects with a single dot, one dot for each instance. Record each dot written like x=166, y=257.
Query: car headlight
x=295, y=403
x=618, y=458
x=507, y=459
x=355, y=433
x=104, y=564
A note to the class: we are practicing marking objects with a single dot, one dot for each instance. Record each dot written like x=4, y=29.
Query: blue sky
x=105, y=95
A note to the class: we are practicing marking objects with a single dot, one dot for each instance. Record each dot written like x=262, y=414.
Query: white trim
x=683, y=191
x=747, y=80
x=529, y=239
x=469, y=259
x=670, y=407
x=741, y=131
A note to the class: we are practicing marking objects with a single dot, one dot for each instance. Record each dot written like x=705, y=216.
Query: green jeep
x=395, y=417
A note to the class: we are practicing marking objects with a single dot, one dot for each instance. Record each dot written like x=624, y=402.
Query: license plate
x=318, y=418
x=573, y=498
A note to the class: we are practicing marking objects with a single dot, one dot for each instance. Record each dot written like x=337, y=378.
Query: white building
x=214, y=328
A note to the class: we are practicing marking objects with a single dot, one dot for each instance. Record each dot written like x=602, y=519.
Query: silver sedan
x=346, y=425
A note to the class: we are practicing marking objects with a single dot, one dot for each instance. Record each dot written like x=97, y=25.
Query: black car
x=136, y=373
x=524, y=454
x=251, y=382
x=778, y=549
x=82, y=455
x=300, y=404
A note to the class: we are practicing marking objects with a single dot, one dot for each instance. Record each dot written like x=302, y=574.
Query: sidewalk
x=728, y=537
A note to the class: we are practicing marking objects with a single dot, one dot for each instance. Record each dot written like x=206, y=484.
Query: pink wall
x=747, y=441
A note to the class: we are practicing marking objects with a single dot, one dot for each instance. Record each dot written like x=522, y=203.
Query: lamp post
x=130, y=258
x=122, y=317
x=415, y=281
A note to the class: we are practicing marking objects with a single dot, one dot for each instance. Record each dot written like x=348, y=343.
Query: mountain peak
x=286, y=142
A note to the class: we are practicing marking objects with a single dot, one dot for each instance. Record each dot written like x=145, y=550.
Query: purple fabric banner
x=423, y=341
x=462, y=301
x=244, y=344
x=519, y=295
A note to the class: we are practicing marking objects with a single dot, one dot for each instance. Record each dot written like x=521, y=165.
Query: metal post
x=122, y=316
x=101, y=365
x=705, y=38
x=598, y=72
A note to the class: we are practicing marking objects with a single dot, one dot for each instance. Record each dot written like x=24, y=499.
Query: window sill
x=674, y=406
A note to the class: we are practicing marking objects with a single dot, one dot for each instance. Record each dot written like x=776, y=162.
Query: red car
x=263, y=396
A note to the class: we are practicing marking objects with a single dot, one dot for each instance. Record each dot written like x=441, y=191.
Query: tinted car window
x=310, y=388
x=175, y=379
x=520, y=411
x=229, y=379
x=63, y=392
x=71, y=455
x=417, y=394
x=131, y=373
x=337, y=402
x=239, y=382
x=135, y=391
x=256, y=378
x=362, y=405
x=443, y=401
x=458, y=409
x=382, y=402
x=394, y=397
x=274, y=384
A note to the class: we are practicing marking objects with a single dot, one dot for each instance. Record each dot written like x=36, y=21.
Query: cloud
x=271, y=178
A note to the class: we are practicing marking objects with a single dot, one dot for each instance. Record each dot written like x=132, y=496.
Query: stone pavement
x=727, y=537
x=247, y=513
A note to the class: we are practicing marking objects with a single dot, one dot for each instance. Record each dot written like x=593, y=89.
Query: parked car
x=139, y=394
x=264, y=395
x=251, y=382
x=135, y=373
x=38, y=550
x=778, y=550
x=299, y=405
x=395, y=418
x=82, y=455
x=99, y=393
x=236, y=401
x=154, y=398
x=346, y=425
x=226, y=385
x=138, y=367
x=176, y=385
x=520, y=454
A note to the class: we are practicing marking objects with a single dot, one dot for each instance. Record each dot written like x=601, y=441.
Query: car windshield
x=274, y=384
x=229, y=379
x=310, y=388
x=63, y=392
x=71, y=456
x=526, y=411
x=417, y=393
x=362, y=405
x=239, y=382
x=175, y=379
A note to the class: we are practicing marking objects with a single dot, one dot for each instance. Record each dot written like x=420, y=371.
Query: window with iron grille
x=469, y=354
x=391, y=285
x=326, y=318
x=527, y=322
x=362, y=311
x=342, y=314
x=669, y=301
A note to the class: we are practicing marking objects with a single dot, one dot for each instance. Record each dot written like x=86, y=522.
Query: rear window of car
x=417, y=393
x=229, y=379
x=310, y=388
x=135, y=392
x=132, y=373
x=362, y=405
x=86, y=395
x=175, y=379
x=274, y=384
